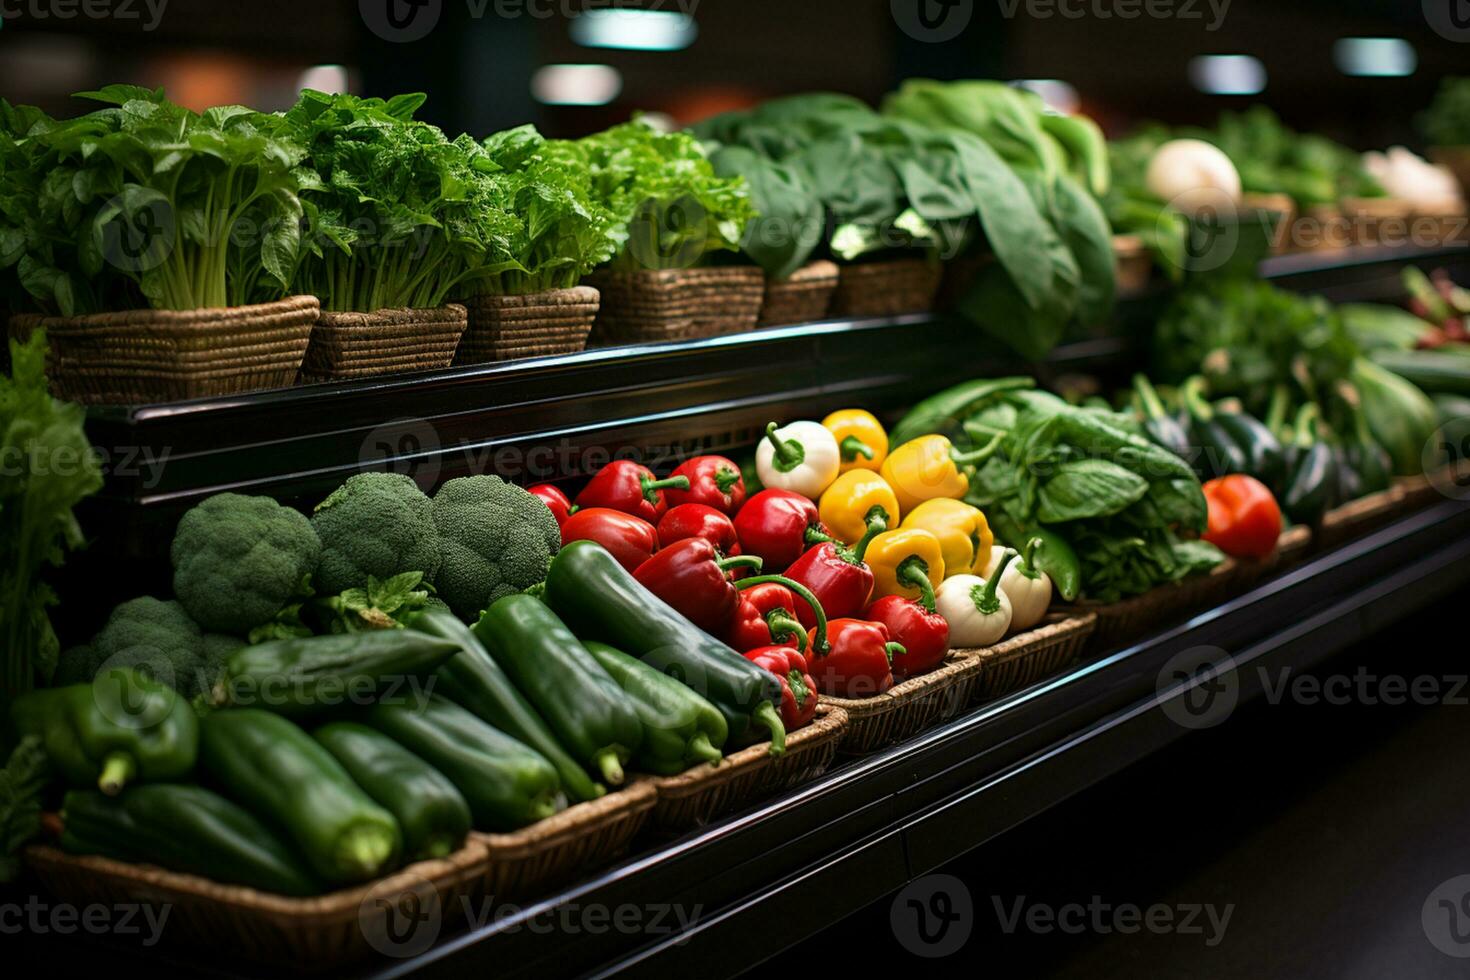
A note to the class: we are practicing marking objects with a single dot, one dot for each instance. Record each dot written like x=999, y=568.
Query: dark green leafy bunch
x=47, y=467
x=1447, y=120
x=564, y=231
x=670, y=209
x=193, y=209
x=398, y=215
x=1133, y=209
x=1272, y=158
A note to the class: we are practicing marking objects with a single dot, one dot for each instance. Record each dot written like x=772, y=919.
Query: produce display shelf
x=555, y=417
x=767, y=877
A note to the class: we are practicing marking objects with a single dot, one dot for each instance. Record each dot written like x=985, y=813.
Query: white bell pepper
x=977, y=610
x=997, y=552
x=802, y=457
x=1193, y=176
x=1028, y=588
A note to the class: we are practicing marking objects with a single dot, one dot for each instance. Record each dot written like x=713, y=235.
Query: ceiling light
x=635, y=30
x=1228, y=74
x=1375, y=57
x=576, y=84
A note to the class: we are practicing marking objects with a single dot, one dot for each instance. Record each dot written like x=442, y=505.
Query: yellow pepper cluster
x=918, y=488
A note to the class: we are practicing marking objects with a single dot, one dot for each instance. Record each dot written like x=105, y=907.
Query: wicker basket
x=1320, y=229
x=676, y=304
x=295, y=933
x=803, y=297
x=1442, y=226
x=698, y=796
x=1378, y=220
x=1358, y=517
x=887, y=288
x=909, y=706
x=147, y=356
x=503, y=328
x=1283, y=208
x=1447, y=482
x=1118, y=622
x=550, y=851
x=360, y=345
x=1293, y=545
x=1026, y=658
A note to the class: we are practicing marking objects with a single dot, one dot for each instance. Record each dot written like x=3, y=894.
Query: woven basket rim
x=812, y=274
x=674, y=278
x=448, y=313
x=831, y=719
x=579, y=295
x=467, y=862
x=216, y=314
x=633, y=797
x=958, y=664
x=1056, y=626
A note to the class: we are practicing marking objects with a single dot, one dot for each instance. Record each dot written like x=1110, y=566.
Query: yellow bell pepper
x=929, y=467
x=845, y=505
x=860, y=437
x=963, y=532
x=898, y=558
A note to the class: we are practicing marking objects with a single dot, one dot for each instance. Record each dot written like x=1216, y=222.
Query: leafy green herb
x=49, y=467
x=1447, y=120
x=387, y=604
x=21, y=782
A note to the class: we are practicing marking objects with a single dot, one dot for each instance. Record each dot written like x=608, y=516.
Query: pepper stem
x=799, y=691
x=725, y=478
x=652, y=487
x=1193, y=396
x=699, y=749
x=913, y=571
x=852, y=447
x=364, y=850
x=546, y=804
x=117, y=769
x=815, y=535
x=781, y=624
x=893, y=649
x=1027, y=564
x=765, y=714
x=607, y=763
x=1148, y=397
x=876, y=526
x=977, y=456
x=789, y=453
x=740, y=561
x=820, y=645
x=984, y=597
x=439, y=846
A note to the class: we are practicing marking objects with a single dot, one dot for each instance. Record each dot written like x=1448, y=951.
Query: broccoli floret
x=155, y=637
x=375, y=524
x=77, y=665
x=497, y=539
x=239, y=560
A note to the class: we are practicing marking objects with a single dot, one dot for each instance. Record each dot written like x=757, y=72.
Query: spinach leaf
x=1088, y=488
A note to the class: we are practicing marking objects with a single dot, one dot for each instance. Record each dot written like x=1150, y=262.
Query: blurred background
x=1356, y=70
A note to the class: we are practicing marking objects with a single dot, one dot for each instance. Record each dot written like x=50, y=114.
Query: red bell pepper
x=691, y=576
x=1244, y=518
x=631, y=540
x=699, y=521
x=552, y=496
x=837, y=575
x=798, y=690
x=779, y=525
x=713, y=481
x=921, y=631
x=629, y=487
x=859, y=663
x=766, y=615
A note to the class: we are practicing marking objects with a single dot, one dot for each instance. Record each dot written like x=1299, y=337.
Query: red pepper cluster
x=804, y=615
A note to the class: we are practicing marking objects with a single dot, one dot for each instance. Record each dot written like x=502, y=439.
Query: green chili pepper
x=506, y=784
x=472, y=679
x=183, y=828
x=280, y=773
x=590, y=714
x=120, y=728
x=430, y=811
x=680, y=728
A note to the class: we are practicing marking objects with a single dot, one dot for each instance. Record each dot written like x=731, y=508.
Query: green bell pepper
x=590, y=714
x=680, y=728
x=183, y=828
x=287, y=778
x=121, y=727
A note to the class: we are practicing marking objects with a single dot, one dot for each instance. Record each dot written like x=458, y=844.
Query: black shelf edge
x=827, y=848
